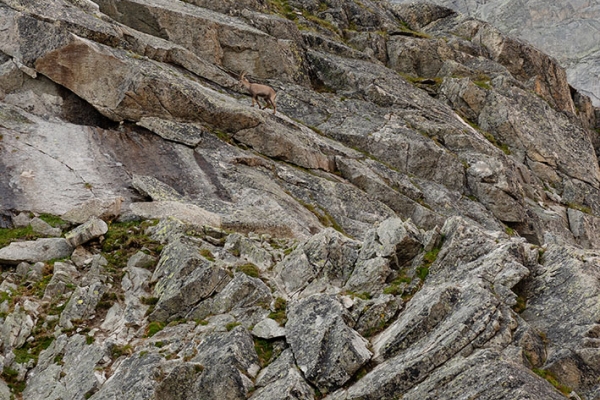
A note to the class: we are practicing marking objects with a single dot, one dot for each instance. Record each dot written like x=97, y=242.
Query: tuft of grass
x=483, y=81
x=497, y=143
x=231, y=325
x=264, y=349
x=282, y=7
x=7, y=236
x=118, y=351
x=154, y=327
x=580, y=207
x=521, y=304
x=10, y=376
x=422, y=272
x=250, y=270
x=206, y=253
x=279, y=314
x=396, y=286
x=54, y=221
x=323, y=216
x=551, y=378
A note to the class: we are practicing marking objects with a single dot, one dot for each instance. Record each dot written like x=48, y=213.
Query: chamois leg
x=272, y=102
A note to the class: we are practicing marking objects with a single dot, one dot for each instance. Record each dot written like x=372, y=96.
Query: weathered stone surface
x=34, y=251
x=134, y=378
x=249, y=250
x=141, y=260
x=241, y=292
x=92, y=229
x=82, y=304
x=188, y=134
x=327, y=350
x=4, y=391
x=42, y=227
x=107, y=208
x=184, y=278
x=16, y=328
x=456, y=126
x=185, y=212
x=556, y=309
x=74, y=377
x=292, y=386
x=268, y=329
x=549, y=27
x=228, y=358
x=328, y=255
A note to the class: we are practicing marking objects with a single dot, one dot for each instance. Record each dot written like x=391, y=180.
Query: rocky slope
x=567, y=30
x=418, y=219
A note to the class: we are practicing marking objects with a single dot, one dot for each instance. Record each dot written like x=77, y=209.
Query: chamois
x=257, y=90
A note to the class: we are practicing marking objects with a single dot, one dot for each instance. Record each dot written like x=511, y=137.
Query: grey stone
x=106, y=208
x=74, y=376
x=82, y=304
x=327, y=350
x=184, y=278
x=92, y=229
x=328, y=254
x=21, y=220
x=241, y=292
x=188, y=134
x=42, y=227
x=141, y=260
x=34, y=251
x=268, y=329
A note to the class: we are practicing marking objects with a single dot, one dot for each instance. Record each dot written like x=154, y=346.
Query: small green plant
x=521, y=304
x=580, y=207
x=231, y=325
x=483, y=81
x=250, y=270
x=396, y=286
x=7, y=236
x=281, y=7
x=154, y=327
x=551, y=378
x=264, y=349
x=510, y=231
x=10, y=376
x=89, y=339
x=118, y=351
x=279, y=314
x=422, y=272
x=206, y=253
x=53, y=220
x=203, y=322
x=149, y=301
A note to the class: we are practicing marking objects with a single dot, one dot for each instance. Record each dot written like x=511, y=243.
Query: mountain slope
x=567, y=30
x=418, y=218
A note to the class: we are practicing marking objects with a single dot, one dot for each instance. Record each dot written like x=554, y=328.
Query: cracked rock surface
x=418, y=220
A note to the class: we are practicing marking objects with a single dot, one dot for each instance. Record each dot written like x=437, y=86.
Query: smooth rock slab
x=35, y=251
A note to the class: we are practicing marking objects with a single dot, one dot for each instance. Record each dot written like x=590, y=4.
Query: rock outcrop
x=417, y=220
x=566, y=31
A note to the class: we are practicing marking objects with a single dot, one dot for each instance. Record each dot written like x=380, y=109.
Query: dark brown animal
x=257, y=90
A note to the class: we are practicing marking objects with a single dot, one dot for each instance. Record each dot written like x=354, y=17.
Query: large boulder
x=34, y=251
x=326, y=349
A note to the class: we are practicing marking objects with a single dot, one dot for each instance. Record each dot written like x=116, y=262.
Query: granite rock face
x=418, y=219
